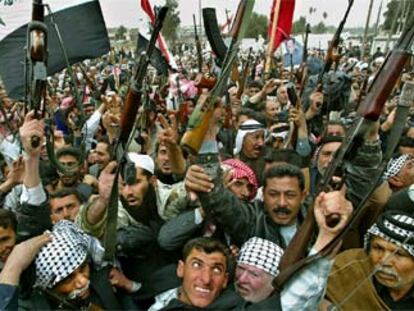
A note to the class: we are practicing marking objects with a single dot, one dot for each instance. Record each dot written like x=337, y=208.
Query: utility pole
x=378, y=19
x=364, y=40
x=394, y=25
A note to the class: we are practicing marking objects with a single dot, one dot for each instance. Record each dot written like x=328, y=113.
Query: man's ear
x=226, y=281
x=304, y=194
x=153, y=181
x=180, y=269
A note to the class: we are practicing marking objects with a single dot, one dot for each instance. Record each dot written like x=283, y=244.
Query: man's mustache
x=388, y=271
x=282, y=209
x=77, y=292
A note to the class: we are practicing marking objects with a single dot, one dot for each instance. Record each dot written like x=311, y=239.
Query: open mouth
x=202, y=290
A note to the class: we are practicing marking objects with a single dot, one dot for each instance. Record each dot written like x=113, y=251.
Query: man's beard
x=147, y=210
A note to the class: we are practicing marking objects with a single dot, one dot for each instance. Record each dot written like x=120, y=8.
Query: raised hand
x=169, y=134
x=327, y=205
x=32, y=127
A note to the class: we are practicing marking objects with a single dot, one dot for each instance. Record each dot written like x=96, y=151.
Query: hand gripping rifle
x=36, y=64
x=198, y=47
x=369, y=111
x=128, y=119
x=200, y=118
x=36, y=77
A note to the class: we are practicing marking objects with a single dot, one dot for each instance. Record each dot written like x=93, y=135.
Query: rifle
x=296, y=102
x=303, y=71
x=198, y=47
x=333, y=47
x=200, y=118
x=128, y=120
x=369, y=111
x=244, y=75
x=182, y=106
x=36, y=64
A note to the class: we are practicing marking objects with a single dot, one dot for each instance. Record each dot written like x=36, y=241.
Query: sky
x=125, y=12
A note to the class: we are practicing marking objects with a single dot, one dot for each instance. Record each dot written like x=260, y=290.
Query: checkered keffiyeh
x=395, y=227
x=68, y=250
x=395, y=165
x=242, y=170
x=262, y=254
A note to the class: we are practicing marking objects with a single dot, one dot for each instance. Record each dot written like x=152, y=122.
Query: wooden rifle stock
x=245, y=73
x=302, y=75
x=36, y=63
x=198, y=47
x=205, y=82
x=128, y=119
x=200, y=119
x=133, y=98
x=295, y=101
x=193, y=138
x=329, y=59
x=182, y=106
x=383, y=84
x=294, y=257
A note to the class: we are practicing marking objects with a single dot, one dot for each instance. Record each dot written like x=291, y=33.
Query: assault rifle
x=36, y=64
x=128, y=120
x=332, y=54
x=369, y=111
x=198, y=47
x=200, y=118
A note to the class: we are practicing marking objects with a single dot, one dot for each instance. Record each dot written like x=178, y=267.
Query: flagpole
x=272, y=38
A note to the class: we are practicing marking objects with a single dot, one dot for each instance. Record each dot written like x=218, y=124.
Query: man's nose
x=66, y=213
x=127, y=189
x=282, y=200
x=81, y=280
x=206, y=276
x=245, y=193
x=243, y=277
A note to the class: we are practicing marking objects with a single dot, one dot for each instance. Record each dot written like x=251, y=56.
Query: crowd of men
x=204, y=231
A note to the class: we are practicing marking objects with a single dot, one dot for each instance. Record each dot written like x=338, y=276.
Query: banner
x=82, y=28
x=284, y=21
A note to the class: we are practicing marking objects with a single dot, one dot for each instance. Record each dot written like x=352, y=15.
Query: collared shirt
x=305, y=290
x=164, y=299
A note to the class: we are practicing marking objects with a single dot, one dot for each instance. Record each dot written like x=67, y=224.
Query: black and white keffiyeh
x=395, y=165
x=396, y=227
x=68, y=250
x=262, y=254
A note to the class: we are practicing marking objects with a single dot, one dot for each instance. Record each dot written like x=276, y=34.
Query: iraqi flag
x=284, y=21
x=161, y=58
x=82, y=28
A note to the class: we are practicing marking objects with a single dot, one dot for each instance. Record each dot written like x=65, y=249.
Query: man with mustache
x=284, y=195
x=275, y=219
x=204, y=270
x=250, y=144
x=380, y=276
